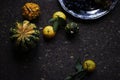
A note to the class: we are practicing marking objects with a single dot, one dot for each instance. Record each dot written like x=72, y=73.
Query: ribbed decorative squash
x=31, y=10
x=71, y=28
x=25, y=34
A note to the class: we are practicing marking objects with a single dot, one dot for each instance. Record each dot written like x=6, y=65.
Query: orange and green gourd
x=25, y=34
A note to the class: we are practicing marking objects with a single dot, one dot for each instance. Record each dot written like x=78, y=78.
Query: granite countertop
x=55, y=59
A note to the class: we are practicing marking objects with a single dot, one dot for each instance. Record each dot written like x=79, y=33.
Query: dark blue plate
x=90, y=14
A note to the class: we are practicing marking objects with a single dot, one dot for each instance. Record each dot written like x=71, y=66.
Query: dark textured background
x=54, y=60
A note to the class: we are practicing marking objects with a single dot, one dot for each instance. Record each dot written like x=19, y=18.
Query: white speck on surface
x=102, y=28
x=6, y=42
x=72, y=57
x=112, y=21
x=46, y=55
x=66, y=42
x=59, y=49
x=119, y=31
x=42, y=79
x=119, y=74
x=61, y=66
x=118, y=61
x=25, y=67
x=93, y=56
x=48, y=50
x=84, y=49
x=102, y=71
x=86, y=55
x=41, y=28
x=96, y=44
x=39, y=58
x=101, y=54
x=104, y=67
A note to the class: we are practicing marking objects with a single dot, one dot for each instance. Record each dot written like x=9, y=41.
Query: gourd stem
x=79, y=75
x=83, y=74
x=55, y=26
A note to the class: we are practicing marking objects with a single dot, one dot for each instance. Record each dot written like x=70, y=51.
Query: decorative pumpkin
x=72, y=28
x=82, y=70
x=58, y=19
x=31, y=10
x=25, y=34
x=59, y=14
x=49, y=32
x=89, y=65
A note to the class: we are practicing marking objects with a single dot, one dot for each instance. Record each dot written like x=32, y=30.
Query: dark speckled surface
x=54, y=60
